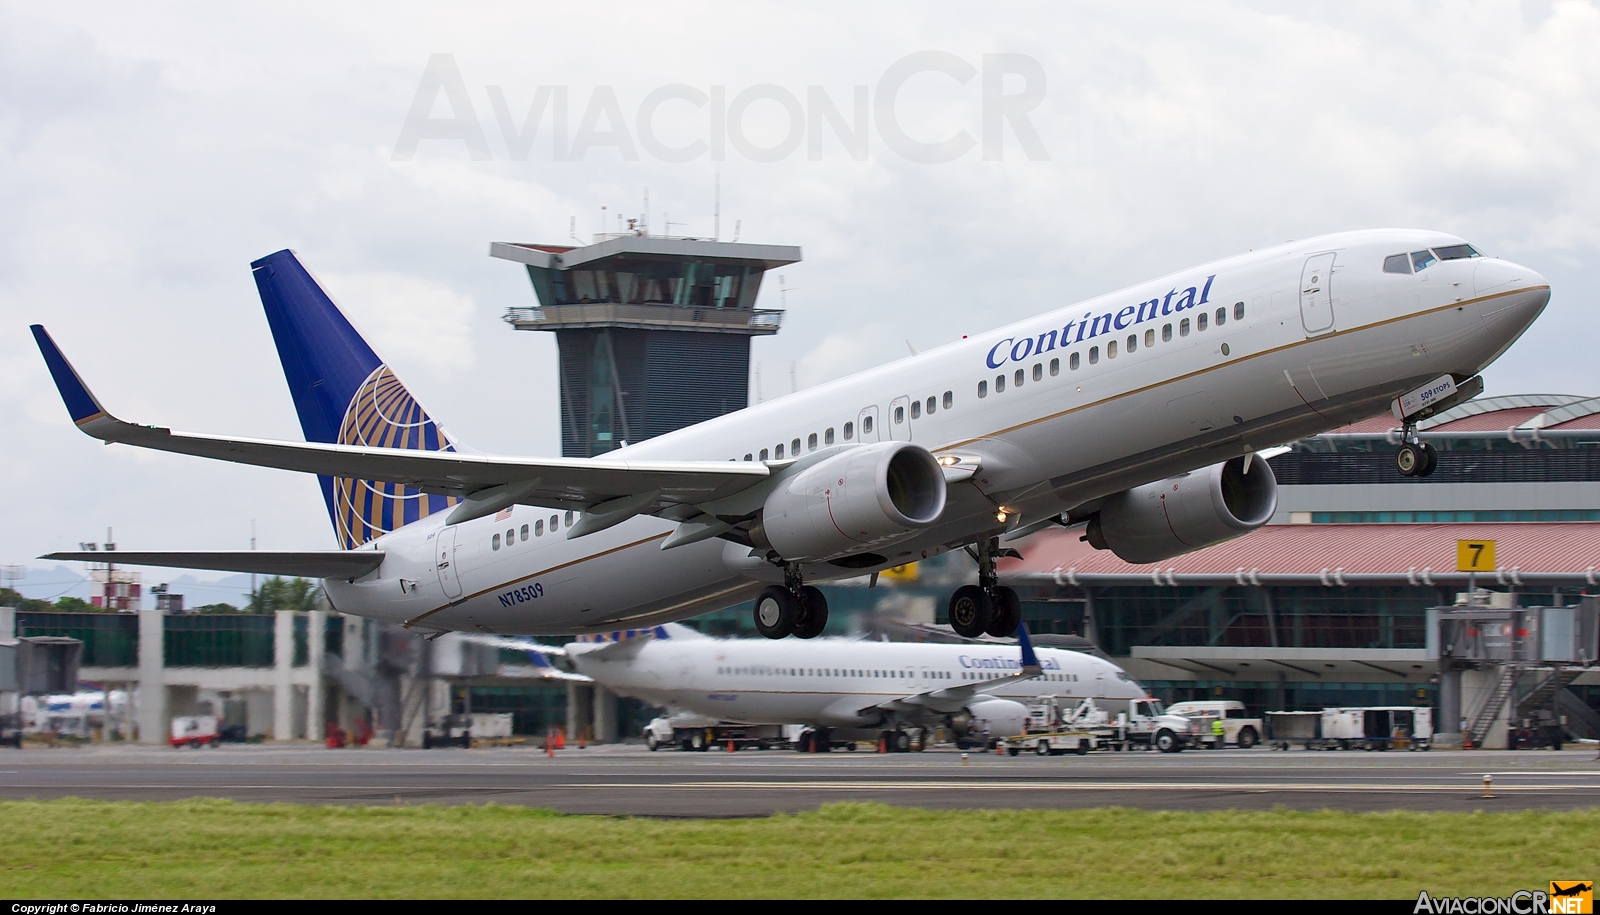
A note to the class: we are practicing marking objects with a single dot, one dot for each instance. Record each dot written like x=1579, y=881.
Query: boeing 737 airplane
x=844, y=689
x=1137, y=414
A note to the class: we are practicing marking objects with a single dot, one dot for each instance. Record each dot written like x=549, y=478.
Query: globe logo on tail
x=383, y=414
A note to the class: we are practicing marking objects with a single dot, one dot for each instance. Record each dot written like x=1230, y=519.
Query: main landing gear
x=1415, y=459
x=988, y=606
x=792, y=608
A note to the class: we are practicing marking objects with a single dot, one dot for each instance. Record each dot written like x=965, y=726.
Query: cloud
x=407, y=320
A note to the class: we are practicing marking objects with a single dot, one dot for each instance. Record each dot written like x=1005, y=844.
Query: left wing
x=611, y=490
x=345, y=564
x=950, y=699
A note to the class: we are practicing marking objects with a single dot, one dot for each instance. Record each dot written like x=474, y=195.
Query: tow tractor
x=697, y=733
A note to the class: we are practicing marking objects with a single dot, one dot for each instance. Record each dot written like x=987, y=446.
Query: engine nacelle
x=1181, y=514
x=863, y=497
x=1002, y=717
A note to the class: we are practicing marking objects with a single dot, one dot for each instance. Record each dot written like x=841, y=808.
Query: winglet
x=80, y=403
x=1030, y=661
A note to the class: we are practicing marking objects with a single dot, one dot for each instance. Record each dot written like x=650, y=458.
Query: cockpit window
x=1397, y=263
x=1422, y=260
x=1456, y=252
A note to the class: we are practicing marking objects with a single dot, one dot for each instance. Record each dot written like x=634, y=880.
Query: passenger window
x=811, y=442
x=1166, y=333
x=1017, y=381
x=524, y=533
x=1397, y=263
x=1238, y=311
x=933, y=405
x=749, y=457
x=570, y=517
x=916, y=409
x=555, y=523
x=1200, y=321
x=1150, y=337
x=763, y=454
x=495, y=543
x=538, y=528
x=1111, y=350
x=1183, y=328
x=777, y=452
x=1094, y=355
x=1038, y=371
x=827, y=436
x=1133, y=342
x=999, y=383
x=1072, y=362
x=1055, y=367
x=849, y=431
x=1422, y=260
x=511, y=536
x=866, y=426
x=899, y=415
x=949, y=398
x=1222, y=316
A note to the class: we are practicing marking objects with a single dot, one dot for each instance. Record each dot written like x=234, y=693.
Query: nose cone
x=1511, y=296
x=1493, y=275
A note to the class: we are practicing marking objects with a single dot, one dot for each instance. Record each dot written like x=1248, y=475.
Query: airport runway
x=630, y=780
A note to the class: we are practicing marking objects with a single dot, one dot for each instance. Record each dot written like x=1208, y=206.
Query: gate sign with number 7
x=1475, y=556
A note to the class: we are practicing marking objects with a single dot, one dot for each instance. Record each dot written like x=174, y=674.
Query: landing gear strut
x=988, y=606
x=793, y=608
x=1415, y=459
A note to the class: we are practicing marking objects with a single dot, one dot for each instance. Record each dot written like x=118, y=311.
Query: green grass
x=211, y=849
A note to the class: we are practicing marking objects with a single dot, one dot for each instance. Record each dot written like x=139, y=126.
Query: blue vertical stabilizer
x=345, y=395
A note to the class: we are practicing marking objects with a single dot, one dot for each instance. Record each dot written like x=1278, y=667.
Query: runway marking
x=1060, y=786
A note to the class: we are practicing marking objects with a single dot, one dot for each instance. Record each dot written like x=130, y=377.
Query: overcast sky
x=146, y=157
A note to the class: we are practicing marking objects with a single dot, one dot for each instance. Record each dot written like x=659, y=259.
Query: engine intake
x=1181, y=514
x=866, y=496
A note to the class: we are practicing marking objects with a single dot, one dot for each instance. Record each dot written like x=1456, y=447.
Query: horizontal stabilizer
x=305, y=564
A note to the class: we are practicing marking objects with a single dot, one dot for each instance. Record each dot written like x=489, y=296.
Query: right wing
x=614, y=490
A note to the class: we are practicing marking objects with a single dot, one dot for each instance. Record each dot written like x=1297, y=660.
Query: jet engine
x=1002, y=717
x=1180, y=514
x=866, y=496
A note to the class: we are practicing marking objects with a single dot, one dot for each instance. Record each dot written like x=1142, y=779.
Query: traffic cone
x=883, y=745
x=730, y=744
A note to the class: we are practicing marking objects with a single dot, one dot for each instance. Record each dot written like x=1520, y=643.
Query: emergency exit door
x=445, y=548
x=1316, y=296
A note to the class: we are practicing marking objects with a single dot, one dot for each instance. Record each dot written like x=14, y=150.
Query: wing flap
x=303, y=564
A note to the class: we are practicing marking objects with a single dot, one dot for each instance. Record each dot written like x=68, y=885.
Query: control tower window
x=1422, y=260
x=1397, y=263
x=1456, y=252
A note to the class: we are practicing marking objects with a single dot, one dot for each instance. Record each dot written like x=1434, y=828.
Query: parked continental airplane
x=841, y=688
x=1137, y=413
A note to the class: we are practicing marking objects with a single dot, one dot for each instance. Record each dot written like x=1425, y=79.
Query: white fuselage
x=837, y=682
x=1076, y=421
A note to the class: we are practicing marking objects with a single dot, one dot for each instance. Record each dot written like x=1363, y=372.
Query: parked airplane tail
x=345, y=395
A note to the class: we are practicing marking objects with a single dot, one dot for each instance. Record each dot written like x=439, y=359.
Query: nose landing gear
x=793, y=608
x=1415, y=459
x=988, y=606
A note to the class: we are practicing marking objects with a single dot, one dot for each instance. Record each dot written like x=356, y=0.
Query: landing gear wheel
x=1409, y=460
x=899, y=742
x=776, y=609
x=812, y=616
x=807, y=742
x=1007, y=613
x=1430, y=456
x=970, y=611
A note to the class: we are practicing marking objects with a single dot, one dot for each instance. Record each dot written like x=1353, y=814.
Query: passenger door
x=1316, y=296
x=900, y=419
x=445, y=549
x=867, y=424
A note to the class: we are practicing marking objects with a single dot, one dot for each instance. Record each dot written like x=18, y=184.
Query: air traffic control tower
x=654, y=332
